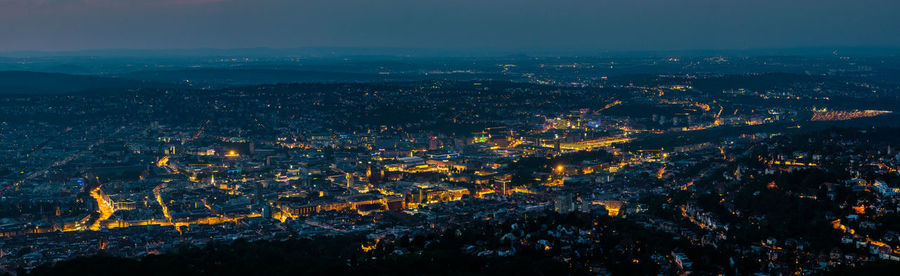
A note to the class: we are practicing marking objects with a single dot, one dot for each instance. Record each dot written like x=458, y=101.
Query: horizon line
x=427, y=52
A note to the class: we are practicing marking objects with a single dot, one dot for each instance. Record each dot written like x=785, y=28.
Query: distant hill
x=218, y=77
x=35, y=83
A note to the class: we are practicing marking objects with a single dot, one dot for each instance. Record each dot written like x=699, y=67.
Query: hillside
x=34, y=83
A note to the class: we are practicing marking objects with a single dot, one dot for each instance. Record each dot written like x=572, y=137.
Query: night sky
x=51, y=25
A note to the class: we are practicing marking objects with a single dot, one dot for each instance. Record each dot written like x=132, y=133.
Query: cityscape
x=233, y=160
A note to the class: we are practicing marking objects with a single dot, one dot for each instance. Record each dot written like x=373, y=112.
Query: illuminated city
x=533, y=144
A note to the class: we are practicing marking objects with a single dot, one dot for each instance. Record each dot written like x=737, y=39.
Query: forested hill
x=35, y=83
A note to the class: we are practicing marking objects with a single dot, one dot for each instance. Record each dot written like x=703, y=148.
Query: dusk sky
x=51, y=25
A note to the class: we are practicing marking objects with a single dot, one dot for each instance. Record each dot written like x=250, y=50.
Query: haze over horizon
x=605, y=25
